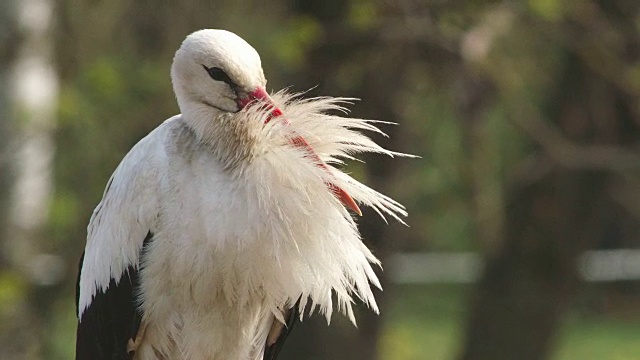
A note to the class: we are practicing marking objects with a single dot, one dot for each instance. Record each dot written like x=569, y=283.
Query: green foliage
x=12, y=289
x=548, y=9
x=424, y=320
x=363, y=15
x=63, y=329
x=427, y=322
x=292, y=41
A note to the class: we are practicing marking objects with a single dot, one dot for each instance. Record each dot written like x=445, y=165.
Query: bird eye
x=219, y=75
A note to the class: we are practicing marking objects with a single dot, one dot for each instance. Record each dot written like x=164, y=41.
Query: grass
x=424, y=322
x=427, y=322
x=597, y=338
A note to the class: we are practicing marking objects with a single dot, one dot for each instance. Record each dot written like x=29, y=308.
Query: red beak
x=260, y=94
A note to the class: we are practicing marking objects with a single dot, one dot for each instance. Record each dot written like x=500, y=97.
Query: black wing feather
x=271, y=352
x=111, y=319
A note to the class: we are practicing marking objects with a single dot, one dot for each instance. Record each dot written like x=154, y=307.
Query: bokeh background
x=524, y=206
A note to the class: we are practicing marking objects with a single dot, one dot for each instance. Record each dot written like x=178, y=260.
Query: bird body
x=226, y=222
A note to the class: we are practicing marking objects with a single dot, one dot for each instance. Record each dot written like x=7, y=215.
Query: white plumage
x=244, y=221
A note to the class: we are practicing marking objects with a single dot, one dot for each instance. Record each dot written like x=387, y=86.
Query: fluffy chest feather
x=247, y=231
x=237, y=246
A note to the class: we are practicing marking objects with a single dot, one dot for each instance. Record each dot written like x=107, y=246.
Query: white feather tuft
x=333, y=138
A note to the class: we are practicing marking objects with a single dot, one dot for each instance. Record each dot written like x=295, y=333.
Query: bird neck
x=220, y=132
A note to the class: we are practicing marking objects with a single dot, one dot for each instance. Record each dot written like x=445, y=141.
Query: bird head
x=218, y=69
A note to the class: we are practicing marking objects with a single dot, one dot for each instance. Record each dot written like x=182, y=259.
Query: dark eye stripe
x=219, y=75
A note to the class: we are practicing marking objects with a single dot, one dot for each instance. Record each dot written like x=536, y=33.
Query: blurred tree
x=9, y=42
x=27, y=156
x=581, y=122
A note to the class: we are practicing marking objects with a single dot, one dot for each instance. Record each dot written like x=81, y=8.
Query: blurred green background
x=525, y=115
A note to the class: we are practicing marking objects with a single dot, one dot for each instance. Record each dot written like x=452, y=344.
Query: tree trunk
x=27, y=156
x=527, y=286
x=531, y=278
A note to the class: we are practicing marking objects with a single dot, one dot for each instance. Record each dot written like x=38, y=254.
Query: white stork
x=219, y=227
